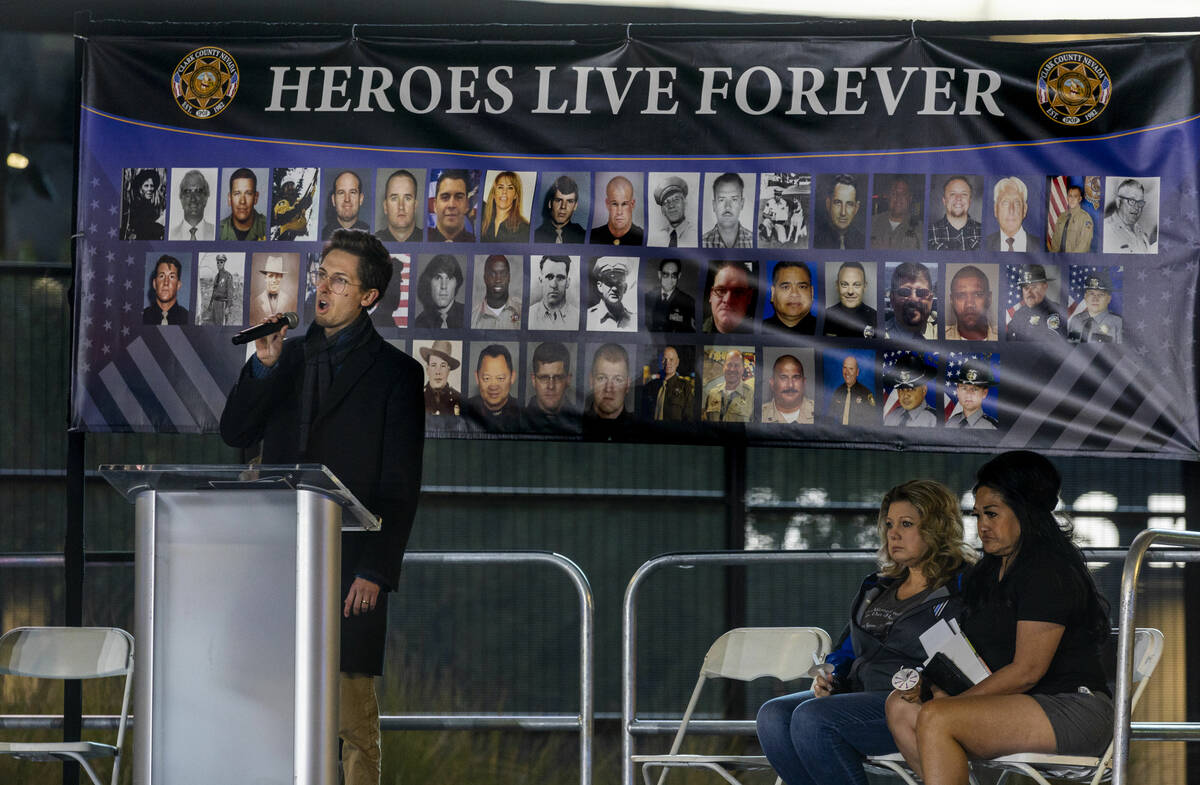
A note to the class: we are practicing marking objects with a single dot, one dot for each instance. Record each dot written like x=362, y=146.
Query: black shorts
x=1082, y=721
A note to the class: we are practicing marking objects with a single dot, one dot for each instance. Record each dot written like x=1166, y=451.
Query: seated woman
x=1034, y=615
x=502, y=218
x=820, y=737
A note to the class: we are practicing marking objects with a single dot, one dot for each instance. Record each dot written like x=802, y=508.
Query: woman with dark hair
x=145, y=207
x=502, y=218
x=821, y=736
x=1033, y=613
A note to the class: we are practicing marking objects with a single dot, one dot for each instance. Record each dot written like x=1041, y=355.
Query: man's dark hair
x=164, y=259
x=784, y=265
x=791, y=357
x=453, y=174
x=243, y=174
x=910, y=271
x=613, y=353
x=555, y=258
x=549, y=353
x=565, y=186
x=494, y=350
x=842, y=179
x=963, y=177
x=1074, y=187
x=171, y=260
x=442, y=263
x=374, y=262
x=971, y=271
x=401, y=173
x=495, y=256
x=729, y=178
x=333, y=182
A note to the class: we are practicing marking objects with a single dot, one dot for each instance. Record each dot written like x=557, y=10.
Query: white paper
x=949, y=640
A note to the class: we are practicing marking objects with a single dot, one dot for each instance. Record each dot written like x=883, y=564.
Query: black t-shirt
x=1038, y=587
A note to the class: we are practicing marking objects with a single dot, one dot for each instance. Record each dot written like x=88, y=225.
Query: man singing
x=343, y=397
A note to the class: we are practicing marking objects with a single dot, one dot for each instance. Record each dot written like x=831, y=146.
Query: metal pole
x=318, y=566
x=73, y=584
x=735, y=576
x=1124, y=692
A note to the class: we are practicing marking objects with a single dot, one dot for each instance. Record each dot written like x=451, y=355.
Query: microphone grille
x=292, y=319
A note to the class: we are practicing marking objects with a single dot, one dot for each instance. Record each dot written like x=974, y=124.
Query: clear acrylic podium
x=237, y=613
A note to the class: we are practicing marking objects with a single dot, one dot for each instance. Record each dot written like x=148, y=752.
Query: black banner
x=890, y=240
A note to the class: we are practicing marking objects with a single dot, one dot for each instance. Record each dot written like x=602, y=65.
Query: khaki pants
x=358, y=726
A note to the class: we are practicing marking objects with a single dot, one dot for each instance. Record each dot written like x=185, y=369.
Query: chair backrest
x=1147, y=650
x=66, y=652
x=748, y=653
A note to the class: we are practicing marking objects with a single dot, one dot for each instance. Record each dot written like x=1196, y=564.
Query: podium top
x=133, y=479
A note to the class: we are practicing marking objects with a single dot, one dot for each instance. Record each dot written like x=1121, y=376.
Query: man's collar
x=608, y=313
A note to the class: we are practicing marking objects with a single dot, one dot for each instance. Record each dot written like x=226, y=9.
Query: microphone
x=289, y=320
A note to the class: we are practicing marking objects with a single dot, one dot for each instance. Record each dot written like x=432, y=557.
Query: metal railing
x=1123, y=699
x=1133, y=557
x=583, y=721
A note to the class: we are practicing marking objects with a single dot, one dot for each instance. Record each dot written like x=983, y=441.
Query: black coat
x=369, y=431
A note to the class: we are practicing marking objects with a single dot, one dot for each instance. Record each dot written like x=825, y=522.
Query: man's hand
x=822, y=685
x=269, y=347
x=361, y=598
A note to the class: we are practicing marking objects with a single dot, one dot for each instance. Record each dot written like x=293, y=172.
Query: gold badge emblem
x=1073, y=88
x=205, y=82
x=972, y=375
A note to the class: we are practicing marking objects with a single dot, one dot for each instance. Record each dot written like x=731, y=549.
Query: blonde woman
x=502, y=218
x=821, y=736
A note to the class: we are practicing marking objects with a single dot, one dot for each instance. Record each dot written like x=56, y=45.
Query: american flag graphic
x=402, y=267
x=1012, y=296
x=1056, y=193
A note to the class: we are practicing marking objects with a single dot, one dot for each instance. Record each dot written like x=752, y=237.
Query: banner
x=894, y=241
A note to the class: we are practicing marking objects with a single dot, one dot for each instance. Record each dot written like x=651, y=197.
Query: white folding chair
x=744, y=654
x=69, y=653
x=1147, y=649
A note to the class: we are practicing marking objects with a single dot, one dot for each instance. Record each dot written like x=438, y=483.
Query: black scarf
x=323, y=358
